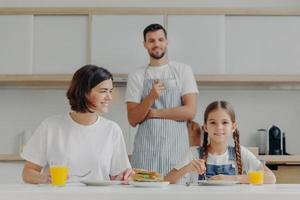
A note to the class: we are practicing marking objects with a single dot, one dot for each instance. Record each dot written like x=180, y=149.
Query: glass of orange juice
x=59, y=173
x=256, y=177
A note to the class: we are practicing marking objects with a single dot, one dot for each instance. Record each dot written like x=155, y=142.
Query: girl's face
x=219, y=126
x=100, y=96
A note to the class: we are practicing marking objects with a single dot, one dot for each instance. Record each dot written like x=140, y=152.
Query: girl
x=215, y=159
x=89, y=142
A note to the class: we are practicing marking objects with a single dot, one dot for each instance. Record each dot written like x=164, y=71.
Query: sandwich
x=142, y=175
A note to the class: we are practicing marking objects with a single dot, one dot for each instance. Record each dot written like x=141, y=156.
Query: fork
x=204, y=176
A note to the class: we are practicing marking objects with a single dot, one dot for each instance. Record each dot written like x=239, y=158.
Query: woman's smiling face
x=100, y=96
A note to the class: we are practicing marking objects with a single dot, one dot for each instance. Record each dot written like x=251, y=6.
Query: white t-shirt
x=183, y=72
x=99, y=148
x=250, y=162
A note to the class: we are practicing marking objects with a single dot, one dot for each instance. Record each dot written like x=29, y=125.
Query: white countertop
x=78, y=192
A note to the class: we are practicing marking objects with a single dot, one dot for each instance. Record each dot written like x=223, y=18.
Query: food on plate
x=142, y=175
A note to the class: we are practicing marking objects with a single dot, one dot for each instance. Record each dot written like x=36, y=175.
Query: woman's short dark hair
x=83, y=81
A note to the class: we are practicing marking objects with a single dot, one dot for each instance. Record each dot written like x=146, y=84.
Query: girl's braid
x=237, y=148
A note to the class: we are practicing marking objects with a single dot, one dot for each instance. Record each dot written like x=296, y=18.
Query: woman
x=92, y=145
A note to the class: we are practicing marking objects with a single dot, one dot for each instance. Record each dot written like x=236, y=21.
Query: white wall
x=24, y=109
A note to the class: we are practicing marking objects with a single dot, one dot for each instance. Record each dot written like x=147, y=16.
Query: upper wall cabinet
x=262, y=44
x=212, y=41
x=197, y=40
x=117, y=41
x=60, y=43
x=16, y=44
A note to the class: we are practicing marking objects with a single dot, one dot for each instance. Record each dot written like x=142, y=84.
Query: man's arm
x=137, y=112
x=185, y=112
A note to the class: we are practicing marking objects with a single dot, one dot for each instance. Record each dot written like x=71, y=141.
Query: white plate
x=217, y=182
x=101, y=183
x=149, y=184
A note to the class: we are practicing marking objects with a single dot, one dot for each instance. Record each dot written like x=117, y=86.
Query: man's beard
x=157, y=57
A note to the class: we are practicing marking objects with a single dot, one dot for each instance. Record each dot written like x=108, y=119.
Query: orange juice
x=59, y=175
x=256, y=177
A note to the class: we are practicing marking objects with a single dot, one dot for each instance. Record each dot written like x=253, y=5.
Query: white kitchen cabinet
x=16, y=36
x=117, y=41
x=60, y=43
x=11, y=172
x=262, y=44
x=197, y=40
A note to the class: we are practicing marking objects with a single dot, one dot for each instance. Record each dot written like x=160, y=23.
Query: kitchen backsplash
x=24, y=109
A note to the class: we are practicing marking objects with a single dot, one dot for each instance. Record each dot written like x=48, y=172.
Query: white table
x=174, y=192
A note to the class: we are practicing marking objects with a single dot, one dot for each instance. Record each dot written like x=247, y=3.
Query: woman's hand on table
x=32, y=173
x=124, y=176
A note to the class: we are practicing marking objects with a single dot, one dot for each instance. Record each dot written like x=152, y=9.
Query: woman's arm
x=123, y=176
x=32, y=174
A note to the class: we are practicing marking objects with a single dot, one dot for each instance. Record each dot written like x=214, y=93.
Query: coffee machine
x=275, y=141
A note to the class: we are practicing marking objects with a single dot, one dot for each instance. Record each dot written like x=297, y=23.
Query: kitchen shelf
x=281, y=159
x=46, y=80
x=241, y=79
x=10, y=157
x=270, y=159
x=220, y=80
x=150, y=10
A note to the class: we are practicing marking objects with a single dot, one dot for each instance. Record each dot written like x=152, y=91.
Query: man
x=160, y=98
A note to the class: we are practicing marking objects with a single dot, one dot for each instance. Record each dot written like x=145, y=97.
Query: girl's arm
x=269, y=177
x=194, y=166
x=174, y=175
x=32, y=174
x=240, y=178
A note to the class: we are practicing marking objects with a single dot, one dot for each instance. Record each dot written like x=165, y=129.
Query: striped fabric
x=160, y=143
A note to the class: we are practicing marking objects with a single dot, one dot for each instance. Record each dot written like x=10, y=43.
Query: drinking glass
x=256, y=177
x=59, y=172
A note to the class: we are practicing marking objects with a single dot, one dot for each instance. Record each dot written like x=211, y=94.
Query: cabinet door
x=16, y=44
x=10, y=172
x=117, y=41
x=262, y=44
x=288, y=174
x=60, y=43
x=197, y=40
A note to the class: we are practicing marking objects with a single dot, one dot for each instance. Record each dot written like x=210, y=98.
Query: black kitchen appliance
x=275, y=140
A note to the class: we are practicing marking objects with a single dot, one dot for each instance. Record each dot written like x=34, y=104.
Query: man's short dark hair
x=153, y=28
x=83, y=81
